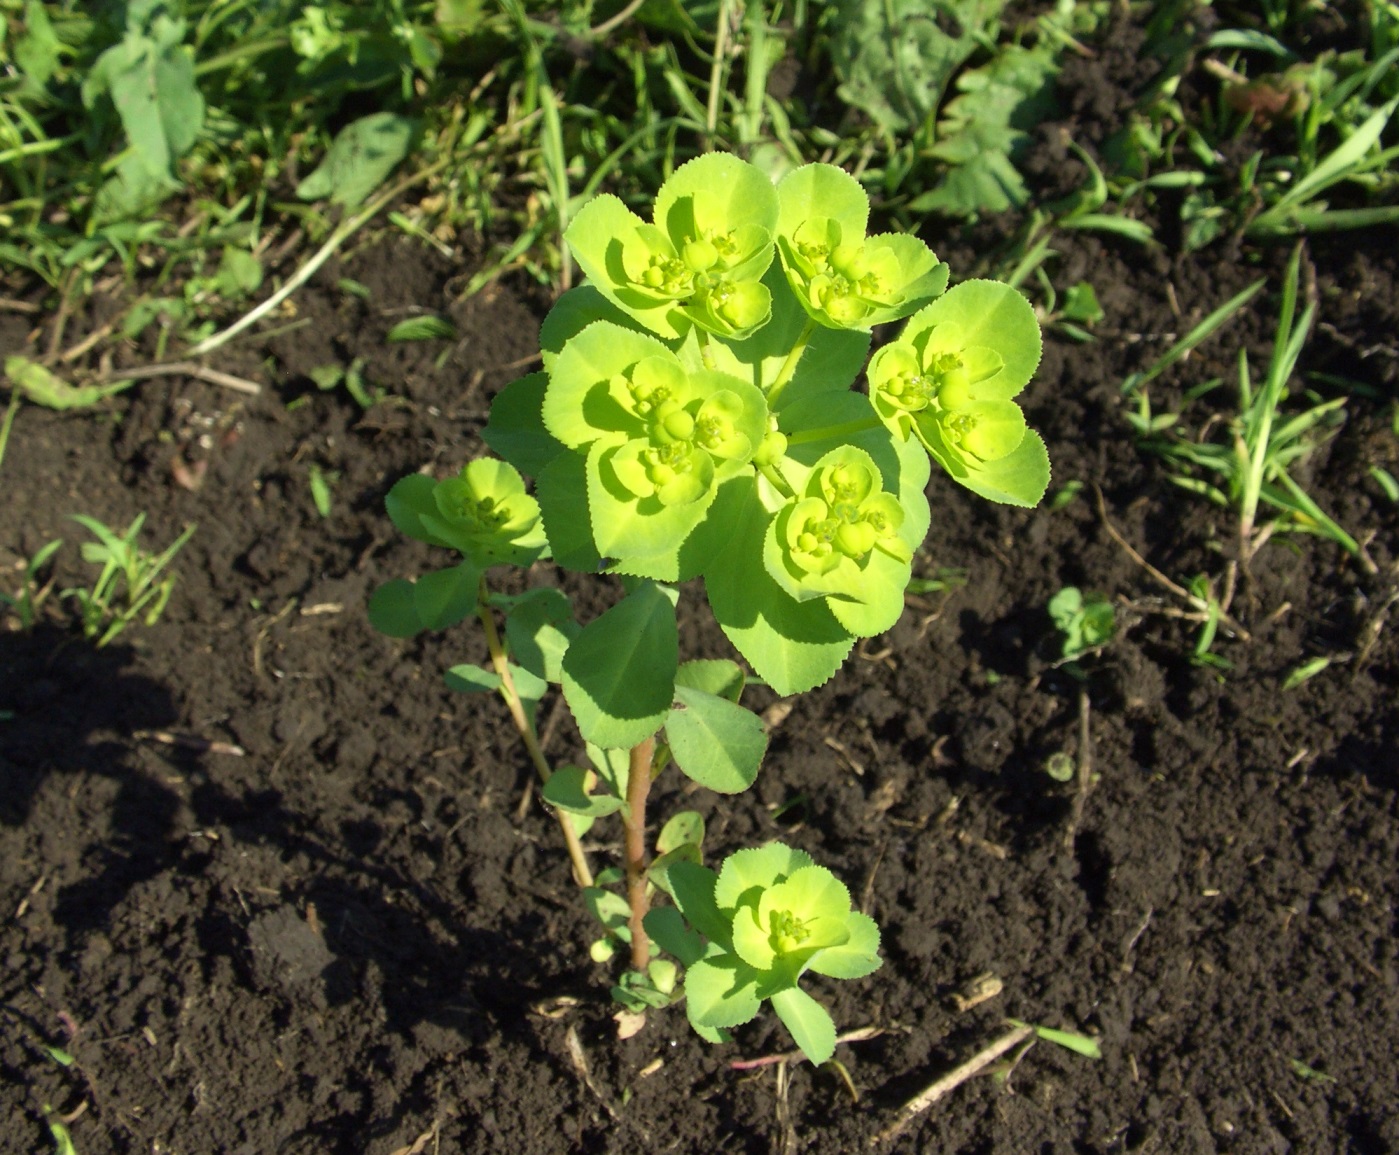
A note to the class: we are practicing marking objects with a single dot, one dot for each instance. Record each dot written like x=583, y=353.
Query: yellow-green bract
x=696, y=417
x=949, y=380
x=700, y=262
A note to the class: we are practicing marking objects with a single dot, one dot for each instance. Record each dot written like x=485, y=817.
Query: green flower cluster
x=767, y=917
x=700, y=263
x=949, y=380
x=696, y=417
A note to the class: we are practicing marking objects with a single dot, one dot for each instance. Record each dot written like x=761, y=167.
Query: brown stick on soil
x=638, y=786
x=951, y=1081
x=1085, y=771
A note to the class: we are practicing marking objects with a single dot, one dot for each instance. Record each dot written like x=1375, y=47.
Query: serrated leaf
x=619, y=672
x=822, y=190
x=983, y=127
x=562, y=492
x=446, y=596
x=692, y=887
x=721, y=991
x=467, y=679
x=408, y=501
x=714, y=676
x=793, y=646
x=756, y=867
x=810, y=1023
x=856, y=957
x=1019, y=479
x=516, y=426
x=393, y=610
x=894, y=60
x=567, y=789
x=594, y=239
x=715, y=742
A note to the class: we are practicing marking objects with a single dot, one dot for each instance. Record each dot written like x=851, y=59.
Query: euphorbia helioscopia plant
x=696, y=418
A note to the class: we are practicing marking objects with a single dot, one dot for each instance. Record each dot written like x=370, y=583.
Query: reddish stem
x=638, y=786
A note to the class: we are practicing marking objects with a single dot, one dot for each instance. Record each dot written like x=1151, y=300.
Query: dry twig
x=951, y=1081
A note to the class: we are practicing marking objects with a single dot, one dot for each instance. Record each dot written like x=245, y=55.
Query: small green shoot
x=946, y=578
x=58, y=1131
x=1060, y=766
x=425, y=328
x=322, y=482
x=1079, y=1044
x=1086, y=621
x=25, y=603
x=1066, y=495
x=1309, y=1073
x=59, y=1056
x=351, y=376
x=1202, y=591
x=1306, y=671
x=1385, y=480
x=130, y=583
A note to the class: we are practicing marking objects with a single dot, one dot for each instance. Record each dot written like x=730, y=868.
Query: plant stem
x=716, y=73
x=582, y=873
x=775, y=478
x=7, y=424
x=638, y=786
x=789, y=366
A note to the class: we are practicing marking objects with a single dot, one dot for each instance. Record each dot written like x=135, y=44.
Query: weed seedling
x=695, y=419
x=1086, y=622
x=25, y=603
x=129, y=585
x=1250, y=467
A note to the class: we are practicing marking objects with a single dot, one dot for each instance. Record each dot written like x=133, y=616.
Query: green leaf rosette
x=658, y=441
x=949, y=380
x=699, y=264
x=843, y=278
x=770, y=915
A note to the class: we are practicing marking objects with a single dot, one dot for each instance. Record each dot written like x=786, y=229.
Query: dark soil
x=271, y=886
